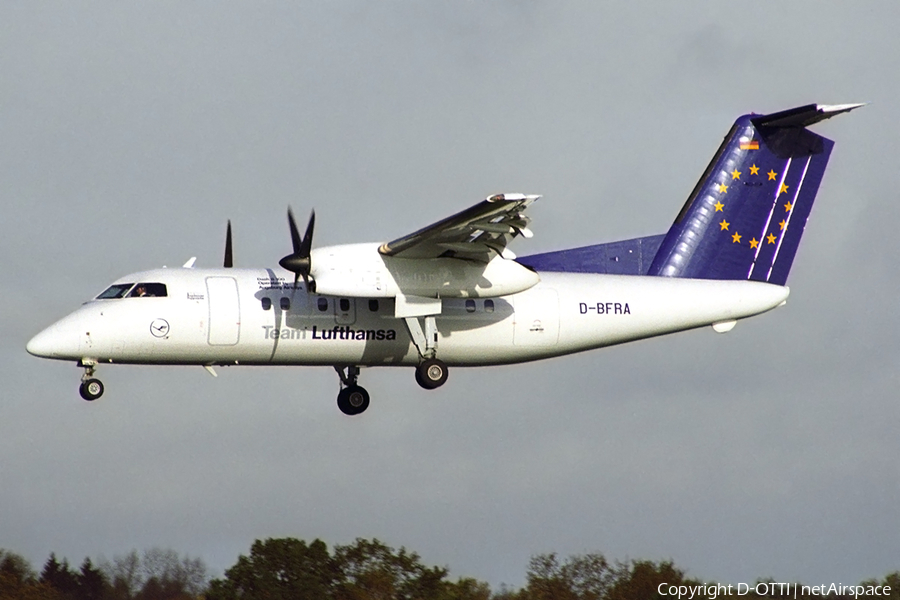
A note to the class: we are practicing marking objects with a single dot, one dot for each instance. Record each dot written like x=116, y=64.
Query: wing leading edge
x=477, y=233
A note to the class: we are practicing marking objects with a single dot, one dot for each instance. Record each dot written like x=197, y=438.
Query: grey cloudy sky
x=131, y=132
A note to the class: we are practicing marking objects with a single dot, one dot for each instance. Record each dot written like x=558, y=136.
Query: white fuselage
x=259, y=317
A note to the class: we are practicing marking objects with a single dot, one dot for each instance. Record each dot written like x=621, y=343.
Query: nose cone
x=56, y=341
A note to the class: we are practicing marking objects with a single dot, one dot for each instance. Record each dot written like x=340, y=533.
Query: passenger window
x=470, y=305
x=285, y=304
x=489, y=306
x=148, y=290
x=373, y=305
x=115, y=291
x=266, y=303
x=322, y=304
x=345, y=305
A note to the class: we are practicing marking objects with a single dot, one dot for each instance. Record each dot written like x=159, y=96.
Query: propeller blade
x=306, y=246
x=298, y=262
x=229, y=262
x=295, y=235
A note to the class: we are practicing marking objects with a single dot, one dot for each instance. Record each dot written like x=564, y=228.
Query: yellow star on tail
x=719, y=206
x=782, y=224
x=736, y=238
x=735, y=174
x=771, y=238
x=783, y=189
x=754, y=170
x=788, y=207
x=772, y=175
x=754, y=243
x=724, y=225
x=723, y=188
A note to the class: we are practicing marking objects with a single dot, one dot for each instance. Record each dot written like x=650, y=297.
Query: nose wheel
x=353, y=399
x=90, y=388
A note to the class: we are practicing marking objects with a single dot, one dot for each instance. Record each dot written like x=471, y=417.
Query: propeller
x=298, y=261
x=229, y=260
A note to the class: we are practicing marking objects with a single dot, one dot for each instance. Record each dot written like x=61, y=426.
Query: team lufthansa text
x=338, y=332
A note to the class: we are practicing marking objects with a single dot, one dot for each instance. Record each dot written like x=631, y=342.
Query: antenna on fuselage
x=229, y=259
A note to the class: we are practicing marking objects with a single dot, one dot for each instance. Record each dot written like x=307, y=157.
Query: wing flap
x=478, y=233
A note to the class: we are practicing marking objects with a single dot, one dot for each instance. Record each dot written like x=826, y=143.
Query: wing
x=477, y=233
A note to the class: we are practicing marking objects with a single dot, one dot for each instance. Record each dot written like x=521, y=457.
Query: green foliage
x=125, y=574
x=18, y=580
x=281, y=569
x=15, y=569
x=60, y=577
x=91, y=582
x=167, y=576
x=891, y=580
x=467, y=588
x=161, y=575
x=581, y=577
x=291, y=569
x=156, y=575
x=642, y=578
x=592, y=577
x=369, y=569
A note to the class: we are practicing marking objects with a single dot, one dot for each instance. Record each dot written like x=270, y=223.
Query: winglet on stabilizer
x=803, y=116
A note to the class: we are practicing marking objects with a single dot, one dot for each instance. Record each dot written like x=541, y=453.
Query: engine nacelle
x=358, y=270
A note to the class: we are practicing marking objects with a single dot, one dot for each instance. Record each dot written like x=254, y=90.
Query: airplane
x=454, y=295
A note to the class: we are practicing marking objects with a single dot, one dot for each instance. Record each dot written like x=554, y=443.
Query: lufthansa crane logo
x=159, y=328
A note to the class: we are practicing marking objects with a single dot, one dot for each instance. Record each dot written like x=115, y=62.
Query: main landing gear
x=431, y=373
x=353, y=399
x=90, y=388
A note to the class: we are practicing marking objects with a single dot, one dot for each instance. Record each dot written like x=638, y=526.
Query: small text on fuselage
x=604, y=308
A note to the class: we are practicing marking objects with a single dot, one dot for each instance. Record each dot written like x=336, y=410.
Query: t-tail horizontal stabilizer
x=745, y=217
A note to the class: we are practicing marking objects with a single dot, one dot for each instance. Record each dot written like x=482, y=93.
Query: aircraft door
x=536, y=318
x=345, y=311
x=224, y=311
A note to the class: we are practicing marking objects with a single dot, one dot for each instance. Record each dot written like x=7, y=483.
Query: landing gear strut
x=90, y=388
x=353, y=399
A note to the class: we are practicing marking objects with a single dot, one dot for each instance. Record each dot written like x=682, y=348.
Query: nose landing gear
x=90, y=388
x=353, y=399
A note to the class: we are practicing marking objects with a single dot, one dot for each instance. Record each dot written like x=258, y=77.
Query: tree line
x=292, y=569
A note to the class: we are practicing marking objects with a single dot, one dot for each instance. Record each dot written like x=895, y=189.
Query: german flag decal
x=750, y=145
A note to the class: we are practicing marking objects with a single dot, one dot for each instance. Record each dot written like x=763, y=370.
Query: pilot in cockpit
x=148, y=290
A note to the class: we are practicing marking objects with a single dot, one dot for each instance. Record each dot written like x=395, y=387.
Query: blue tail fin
x=745, y=217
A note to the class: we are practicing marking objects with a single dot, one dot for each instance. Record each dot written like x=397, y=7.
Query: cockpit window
x=115, y=291
x=146, y=290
